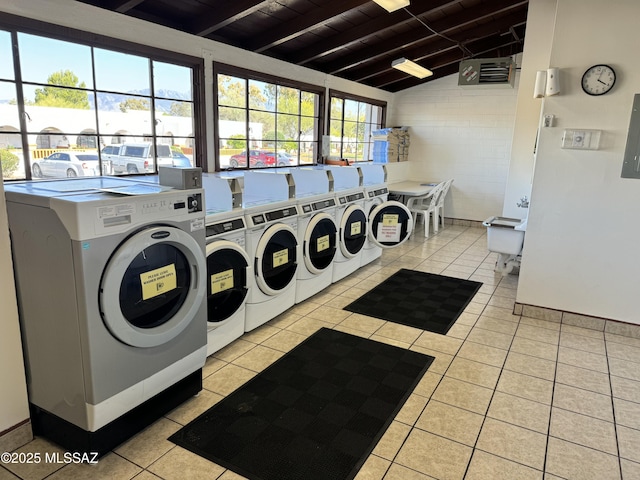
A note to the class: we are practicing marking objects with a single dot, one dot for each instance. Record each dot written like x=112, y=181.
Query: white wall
x=582, y=237
x=462, y=133
x=13, y=399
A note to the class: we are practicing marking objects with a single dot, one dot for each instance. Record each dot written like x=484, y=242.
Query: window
x=351, y=121
x=61, y=94
x=265, y=121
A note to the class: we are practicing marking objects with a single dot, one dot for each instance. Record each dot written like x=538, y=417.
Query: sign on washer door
x=389, y=229
x=158, y=281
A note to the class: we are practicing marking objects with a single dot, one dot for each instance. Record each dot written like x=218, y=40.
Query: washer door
x=227, y=265
x=320, y=243
x=276, y=258
x=390, y=224
x=153, y=286
x=353, y=231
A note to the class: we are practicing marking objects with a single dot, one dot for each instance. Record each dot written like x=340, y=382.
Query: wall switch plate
x=581, y=139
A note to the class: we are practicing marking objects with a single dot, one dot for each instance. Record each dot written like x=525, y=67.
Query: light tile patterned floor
x=507, y=398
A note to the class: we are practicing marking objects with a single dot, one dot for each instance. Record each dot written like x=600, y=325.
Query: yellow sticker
x=356, y=228
x=323, y=243
x=389, y=219
x=158, y=281
x=221, y=281
x=281, y=258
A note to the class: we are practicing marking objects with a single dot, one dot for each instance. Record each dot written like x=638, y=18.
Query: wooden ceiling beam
x=225, y=14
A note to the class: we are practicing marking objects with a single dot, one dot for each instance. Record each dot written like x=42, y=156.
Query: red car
x=256, y=159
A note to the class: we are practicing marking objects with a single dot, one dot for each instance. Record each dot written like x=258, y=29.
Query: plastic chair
x=440, y=205
x=426, y=206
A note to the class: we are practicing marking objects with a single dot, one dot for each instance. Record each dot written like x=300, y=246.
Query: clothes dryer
x=228, y=264
x=272, y=244
x=389, y=223
x=111, y=291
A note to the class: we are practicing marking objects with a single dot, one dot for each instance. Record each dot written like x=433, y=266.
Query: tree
x=8, y=162
x=180, y=109
x=237, y=141
x=134, y=104
x=53, y=96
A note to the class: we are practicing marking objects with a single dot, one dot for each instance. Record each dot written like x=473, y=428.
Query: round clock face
x=598, y=80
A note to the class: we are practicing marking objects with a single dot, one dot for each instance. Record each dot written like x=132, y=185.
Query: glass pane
x=350, y=110
x=376, y=116
x=6, y=57
x=262, y=95
x=120, y=72
x=178, y=122
x=335, y=128
x=308, y=153
x=335, y=150
x=309, y=104
x=337, y=105
x=288, y=100
x=350, y=131
x=126, y=117
x=44, y=60
x=54, y=106
x=8, y=106
x=288, y=127
x=262, y=125
x=286, y=154
x=232, y=152
x=183, y=151
x=360, y=133
x=232, y=91
x=307, y=129
x=11, y=155
x=63, y=161
x=172, y=81
x=362, y=111
x=232, y=114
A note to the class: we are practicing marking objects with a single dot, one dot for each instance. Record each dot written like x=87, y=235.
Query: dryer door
x=227, y=266
x=320, y=243
x=353, y=231
x=390, y=224
x=153, y=286
x=276, y=258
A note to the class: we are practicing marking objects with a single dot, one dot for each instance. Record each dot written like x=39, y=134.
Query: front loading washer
x=351, y=219
x=111, y=296
x=272, y=245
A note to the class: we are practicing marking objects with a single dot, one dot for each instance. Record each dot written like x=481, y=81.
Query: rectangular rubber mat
x=417, y=299
x=315, y=414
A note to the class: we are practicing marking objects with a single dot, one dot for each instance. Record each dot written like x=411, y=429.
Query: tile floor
x=507, y=398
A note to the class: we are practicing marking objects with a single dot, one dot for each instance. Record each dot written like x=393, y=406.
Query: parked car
x=257, y=158
x=284, y=160
x=136, y=157
x=67, y=164
x=180, y=159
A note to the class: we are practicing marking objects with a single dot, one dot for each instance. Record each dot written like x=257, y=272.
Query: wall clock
x=598, y=80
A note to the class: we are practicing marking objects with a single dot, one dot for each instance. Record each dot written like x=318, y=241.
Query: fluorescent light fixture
x=412, y=68
x=392, y=5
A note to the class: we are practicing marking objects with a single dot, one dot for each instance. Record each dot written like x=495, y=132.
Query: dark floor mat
x=417, y=299
x=315, y=414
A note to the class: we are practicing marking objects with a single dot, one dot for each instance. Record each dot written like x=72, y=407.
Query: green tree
x=180, y=109
x=54, y=96
x=237, y=141
x=8, y=162
x=134, y=104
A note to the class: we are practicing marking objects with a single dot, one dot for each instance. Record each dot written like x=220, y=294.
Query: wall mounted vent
x=487, y=72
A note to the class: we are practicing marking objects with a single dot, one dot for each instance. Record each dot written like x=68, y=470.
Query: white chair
x=440, y=205
x=426, y=206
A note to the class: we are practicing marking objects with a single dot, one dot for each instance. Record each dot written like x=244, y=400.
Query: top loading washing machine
x=317, y=229
x=111, y=294
x=351, y=220
x=389, y=222
x=228, y=264
x=272, y=244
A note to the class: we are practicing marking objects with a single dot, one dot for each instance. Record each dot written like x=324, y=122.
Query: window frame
x=15, y=24
x=382, y=104
x=248, y=75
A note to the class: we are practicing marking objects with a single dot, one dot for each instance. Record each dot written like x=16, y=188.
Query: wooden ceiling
x=353, y=39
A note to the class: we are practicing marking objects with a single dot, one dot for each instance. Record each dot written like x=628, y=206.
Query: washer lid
x=353, y=231
x=276, y=258
x=390, y=224
x=153, y=286
x=227, y=273
x=320, y=240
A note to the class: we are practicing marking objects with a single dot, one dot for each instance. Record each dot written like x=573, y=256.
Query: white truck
x=135, y=157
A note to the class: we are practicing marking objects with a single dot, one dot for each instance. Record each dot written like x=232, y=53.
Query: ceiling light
x=392, y=5
x=412, y=68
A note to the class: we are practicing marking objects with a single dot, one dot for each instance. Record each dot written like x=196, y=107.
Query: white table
x=411, y=188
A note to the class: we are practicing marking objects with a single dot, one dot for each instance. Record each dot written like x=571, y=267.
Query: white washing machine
x=272, y=245
x=228, y=264
x=389, y=223
x=111, y=292
x=351, y=220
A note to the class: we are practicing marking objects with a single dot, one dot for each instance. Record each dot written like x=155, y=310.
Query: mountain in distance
x=111, y=101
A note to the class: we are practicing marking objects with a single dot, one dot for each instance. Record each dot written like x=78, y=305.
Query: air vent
x=487, y=72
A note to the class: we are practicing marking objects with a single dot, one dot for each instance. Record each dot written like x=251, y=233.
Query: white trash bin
x=505, y=236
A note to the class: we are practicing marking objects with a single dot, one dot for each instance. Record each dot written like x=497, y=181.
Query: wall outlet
x=549, y=120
